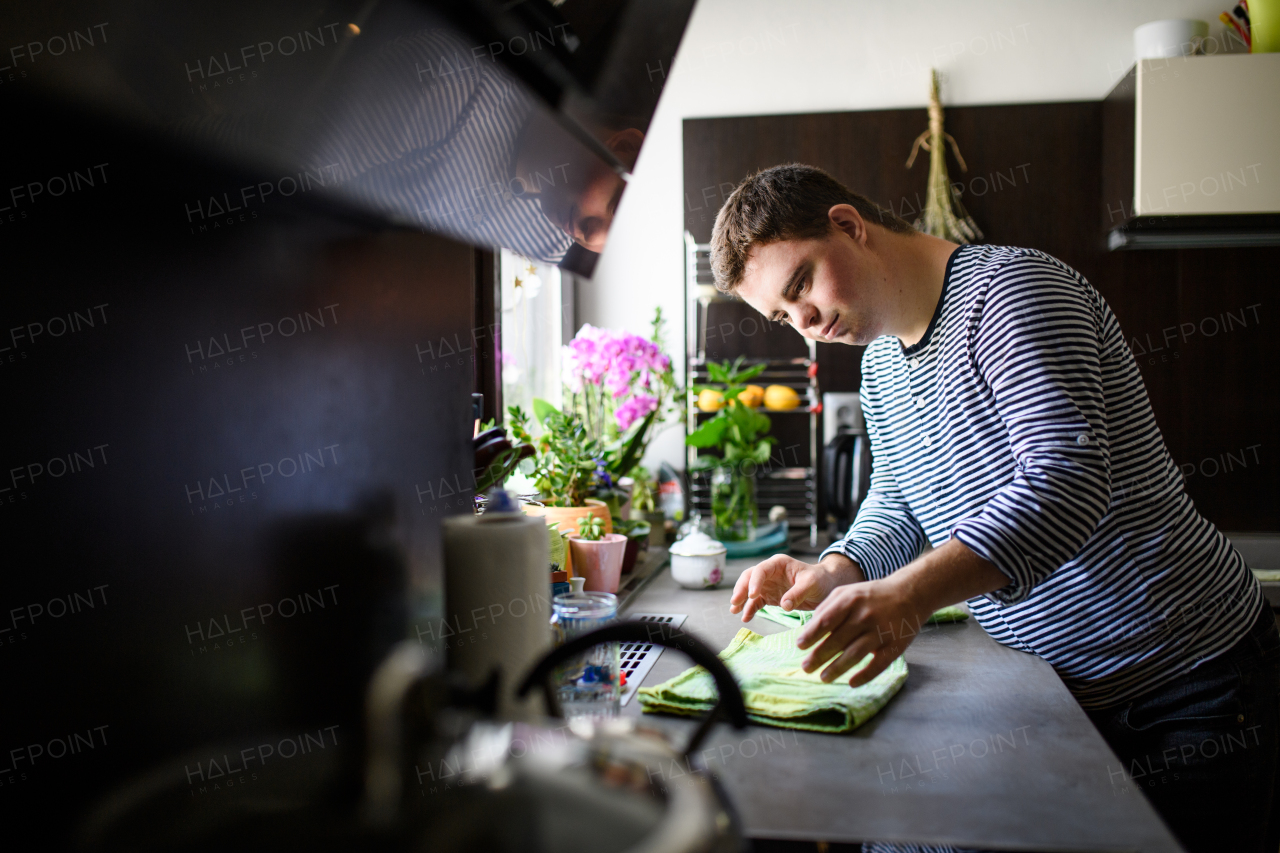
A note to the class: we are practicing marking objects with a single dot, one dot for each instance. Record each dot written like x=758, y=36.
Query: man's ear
x=845, y=218
x=625, y=145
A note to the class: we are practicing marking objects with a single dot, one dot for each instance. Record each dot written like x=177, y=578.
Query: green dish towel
x=777, y=691
x=774, y=613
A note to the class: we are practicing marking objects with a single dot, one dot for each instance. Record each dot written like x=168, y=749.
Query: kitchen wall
x=753, y=57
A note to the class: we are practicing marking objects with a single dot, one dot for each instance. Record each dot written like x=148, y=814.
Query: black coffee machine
x=846, y=460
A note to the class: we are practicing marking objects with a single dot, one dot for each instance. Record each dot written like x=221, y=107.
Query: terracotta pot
x=599, y=562
x=567, y=518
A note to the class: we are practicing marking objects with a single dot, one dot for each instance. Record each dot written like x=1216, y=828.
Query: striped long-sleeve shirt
x=423, y=131
x=1020, y=426
x=428, y=133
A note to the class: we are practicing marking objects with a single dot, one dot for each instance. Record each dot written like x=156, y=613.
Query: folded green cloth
x=774, y=613
x=777, y=691
x=1267, y=575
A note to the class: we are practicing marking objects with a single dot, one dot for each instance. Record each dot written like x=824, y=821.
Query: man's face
x=584, y=210
x=581, y=193
x=829, y=288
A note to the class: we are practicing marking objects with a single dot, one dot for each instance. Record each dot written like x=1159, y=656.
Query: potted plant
x=644, y=505
x=597, y=555
x=738, y=432
x=622, y=387
x=564, y=468
x=617, y=387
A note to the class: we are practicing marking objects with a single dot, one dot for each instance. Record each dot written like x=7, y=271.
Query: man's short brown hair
x=783, y=203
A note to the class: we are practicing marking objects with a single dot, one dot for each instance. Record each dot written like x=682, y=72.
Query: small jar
x=588, y=685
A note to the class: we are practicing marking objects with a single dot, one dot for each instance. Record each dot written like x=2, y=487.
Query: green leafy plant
x=632, y=528
x=643, y=490
x=737, y=431
x=566, y=467
x=591, y=528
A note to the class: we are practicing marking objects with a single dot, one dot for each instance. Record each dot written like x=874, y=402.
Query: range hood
x=510, y=124
x=1191, y=154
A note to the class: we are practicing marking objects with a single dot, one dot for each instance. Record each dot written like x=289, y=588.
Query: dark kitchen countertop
x=983, y=747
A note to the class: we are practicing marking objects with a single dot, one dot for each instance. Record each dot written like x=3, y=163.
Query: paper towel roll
x=497, y=603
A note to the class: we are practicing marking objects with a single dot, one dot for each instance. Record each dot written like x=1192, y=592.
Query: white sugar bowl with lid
x=698, y=561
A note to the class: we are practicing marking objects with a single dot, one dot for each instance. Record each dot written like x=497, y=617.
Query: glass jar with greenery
x=738, y=432
x=733, y=504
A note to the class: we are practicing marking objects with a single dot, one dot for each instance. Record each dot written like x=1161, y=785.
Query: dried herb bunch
x=944, y=216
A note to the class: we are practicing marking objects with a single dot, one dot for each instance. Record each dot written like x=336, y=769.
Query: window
x=535, y=316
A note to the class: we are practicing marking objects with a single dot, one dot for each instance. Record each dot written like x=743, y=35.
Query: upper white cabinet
x=1192, y=153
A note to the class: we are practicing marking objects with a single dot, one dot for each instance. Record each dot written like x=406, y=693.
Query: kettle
x=441, y=775
x=846, y=460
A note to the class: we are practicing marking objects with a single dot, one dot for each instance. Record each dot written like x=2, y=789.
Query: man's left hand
x=882, y=617
x=878, y=617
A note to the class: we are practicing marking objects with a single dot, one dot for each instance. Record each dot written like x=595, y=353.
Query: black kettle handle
x=859, y=474
x=846, y=470
x=836, y=486
x=730, y=703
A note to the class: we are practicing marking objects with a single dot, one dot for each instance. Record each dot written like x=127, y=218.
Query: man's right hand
x=794, y=585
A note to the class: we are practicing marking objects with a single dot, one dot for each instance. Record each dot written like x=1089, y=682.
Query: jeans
x=1204, y=747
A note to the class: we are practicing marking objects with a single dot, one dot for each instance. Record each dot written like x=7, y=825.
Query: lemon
x=780, y=397
x=710, y=400
x=751, y=396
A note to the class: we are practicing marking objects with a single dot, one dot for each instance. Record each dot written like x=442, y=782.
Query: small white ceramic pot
x=698, y=561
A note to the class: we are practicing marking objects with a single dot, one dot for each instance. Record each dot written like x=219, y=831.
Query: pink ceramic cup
x=600, y=563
